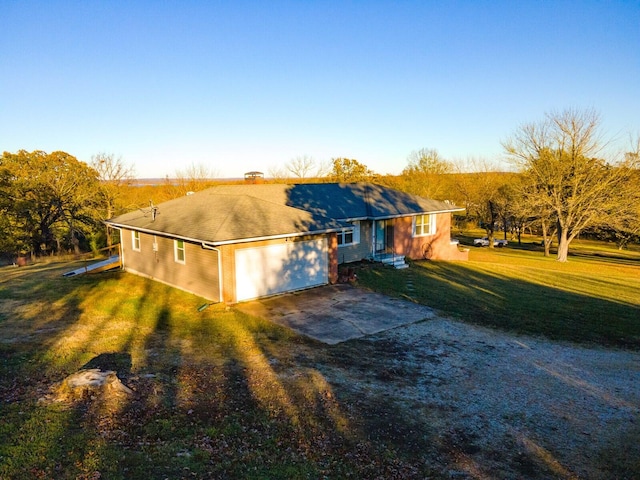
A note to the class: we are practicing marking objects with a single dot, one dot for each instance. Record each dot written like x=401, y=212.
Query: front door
x=383, y=236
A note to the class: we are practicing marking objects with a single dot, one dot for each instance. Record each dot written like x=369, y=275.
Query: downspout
x=217, y=250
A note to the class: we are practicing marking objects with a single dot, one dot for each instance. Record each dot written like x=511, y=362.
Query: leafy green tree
x=565, y=177
x=504, y=204
x=624, y=227
x=348, y=170
x=478, y=184
x=8, y=233
x=428, y=161
x=51, y=198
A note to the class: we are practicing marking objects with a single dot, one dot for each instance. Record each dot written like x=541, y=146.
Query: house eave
x=399, y=215
x=273, y=237
x=224, y=242
x=154, y=232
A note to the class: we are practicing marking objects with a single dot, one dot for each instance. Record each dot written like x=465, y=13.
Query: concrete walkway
x=337, y=313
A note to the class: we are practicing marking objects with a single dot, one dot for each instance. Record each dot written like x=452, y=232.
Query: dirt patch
x=485, y=404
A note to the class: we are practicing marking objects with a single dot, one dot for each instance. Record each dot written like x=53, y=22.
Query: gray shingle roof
x=344, y=201
x=235, y=212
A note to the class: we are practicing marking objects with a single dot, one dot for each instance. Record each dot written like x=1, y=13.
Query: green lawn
x=219, y=394
x=594, y=297
x=207, y=400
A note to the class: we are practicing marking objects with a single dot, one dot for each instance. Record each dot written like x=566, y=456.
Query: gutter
x=224, y=242
x=153, y=232
x=398, y=215
x=401, y=215
x=277, y=237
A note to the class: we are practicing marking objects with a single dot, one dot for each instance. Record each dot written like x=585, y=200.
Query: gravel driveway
x=504, y=406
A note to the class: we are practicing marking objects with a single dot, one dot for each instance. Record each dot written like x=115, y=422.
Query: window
x=424, y=225
x=345, y=237
x=349, y=236
x=178, y=248
x=135, y=241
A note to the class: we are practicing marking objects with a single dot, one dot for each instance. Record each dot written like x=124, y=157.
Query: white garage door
x=284, y=267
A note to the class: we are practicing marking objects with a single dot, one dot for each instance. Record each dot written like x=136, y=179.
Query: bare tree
x=113, y=174
x=560, y=158
x=530, y=210
x=323, y=168
x=277, y=173
x=301, y=166
x=194, y=177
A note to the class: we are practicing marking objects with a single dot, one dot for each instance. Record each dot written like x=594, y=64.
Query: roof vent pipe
x=154, y=210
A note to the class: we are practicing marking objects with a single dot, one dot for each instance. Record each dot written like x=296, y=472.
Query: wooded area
x=561, y=187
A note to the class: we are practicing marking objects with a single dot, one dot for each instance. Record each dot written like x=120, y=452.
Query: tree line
x=560, y=185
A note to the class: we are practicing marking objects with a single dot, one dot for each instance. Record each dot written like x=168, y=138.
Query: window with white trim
x=424, y=225
x=179, y=251
x=349, y=236
x=135, y=240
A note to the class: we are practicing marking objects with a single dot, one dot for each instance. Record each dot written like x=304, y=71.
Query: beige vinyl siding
x=198, y=275
x=359, y=251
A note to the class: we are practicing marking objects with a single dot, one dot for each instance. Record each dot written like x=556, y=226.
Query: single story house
x=239, y=242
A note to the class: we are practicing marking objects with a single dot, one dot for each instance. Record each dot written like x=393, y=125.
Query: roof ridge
x=229, y=212
x=271, y=186
x=285, y=205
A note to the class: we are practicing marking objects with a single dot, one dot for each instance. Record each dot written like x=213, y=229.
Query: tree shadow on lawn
x=517, y=305
x=216, y=393
x=38, y=440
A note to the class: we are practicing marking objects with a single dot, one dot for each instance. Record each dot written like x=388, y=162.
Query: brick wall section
x=228, y=273
x=198, y=275
x=432, y=247
x=333, y=258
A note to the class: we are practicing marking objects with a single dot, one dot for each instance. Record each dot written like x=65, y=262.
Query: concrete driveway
x=337, y=313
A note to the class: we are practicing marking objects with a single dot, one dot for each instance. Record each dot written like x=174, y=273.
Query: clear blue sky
x=241, y=86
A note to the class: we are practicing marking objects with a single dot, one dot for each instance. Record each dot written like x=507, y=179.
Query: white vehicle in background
x=484, y=242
